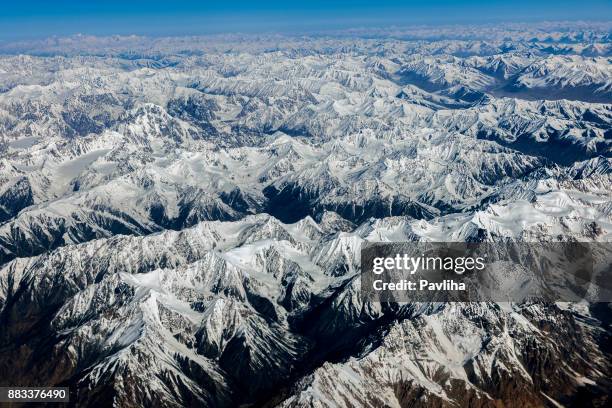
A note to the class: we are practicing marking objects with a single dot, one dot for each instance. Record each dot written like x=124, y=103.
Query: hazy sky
x=27, y=19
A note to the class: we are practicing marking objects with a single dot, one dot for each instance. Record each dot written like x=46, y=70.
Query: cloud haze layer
x=41, y=19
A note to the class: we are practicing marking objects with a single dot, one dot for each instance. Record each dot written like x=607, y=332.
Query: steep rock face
x=466, y=355
x=238, y=309
x=181, y=225
x=15, y=197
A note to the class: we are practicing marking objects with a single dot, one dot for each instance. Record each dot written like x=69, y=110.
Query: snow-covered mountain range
x=181, y=218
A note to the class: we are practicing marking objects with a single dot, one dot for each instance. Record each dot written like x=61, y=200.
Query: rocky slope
x=181, y=224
